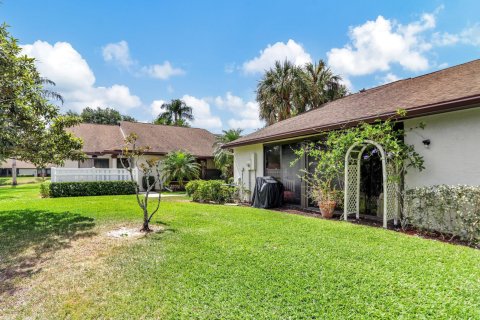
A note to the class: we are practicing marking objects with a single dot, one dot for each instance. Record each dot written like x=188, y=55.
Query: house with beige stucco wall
x=103, y=146
x=447, y=101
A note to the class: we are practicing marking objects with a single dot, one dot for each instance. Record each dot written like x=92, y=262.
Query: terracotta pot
x=327, y=208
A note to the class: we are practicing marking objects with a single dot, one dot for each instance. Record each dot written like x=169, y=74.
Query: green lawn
x=7, y=181
x=219, y=262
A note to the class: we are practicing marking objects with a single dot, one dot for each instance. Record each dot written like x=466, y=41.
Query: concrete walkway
x=165, y=195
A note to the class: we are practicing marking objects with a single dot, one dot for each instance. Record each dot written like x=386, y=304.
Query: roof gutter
x=442, y=107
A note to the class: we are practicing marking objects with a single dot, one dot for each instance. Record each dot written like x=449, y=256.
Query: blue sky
x=133, y=55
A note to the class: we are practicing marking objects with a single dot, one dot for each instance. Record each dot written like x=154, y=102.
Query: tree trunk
x=145, y=227
x=14, y=172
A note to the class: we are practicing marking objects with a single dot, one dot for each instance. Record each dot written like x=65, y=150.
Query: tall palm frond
x=47, y=93
x=275, y=92
x=287, y=90
x=319, y=85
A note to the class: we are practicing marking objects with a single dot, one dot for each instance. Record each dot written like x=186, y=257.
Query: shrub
x=45, y=189
x=192, y=186
x=211, y=191
x=452, y=210
x=91, y=188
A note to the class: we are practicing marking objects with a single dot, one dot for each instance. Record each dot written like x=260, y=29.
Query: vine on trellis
x=328, y=154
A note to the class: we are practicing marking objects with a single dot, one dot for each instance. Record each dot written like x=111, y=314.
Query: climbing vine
x=327, y=155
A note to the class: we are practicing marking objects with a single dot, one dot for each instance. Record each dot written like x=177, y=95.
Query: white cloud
x=118, y=53
x=390, y=77
x=75, y=80
x=279, y=51
x=246, y=112
x=376, y=45
x=469, y=36
x=163, y=71
x=442, y=65
x=202, y=113
x=156, y=107
x=445, y=39
x=60, y=63
x=230, y=67
x=230, y=101
x=249, y=118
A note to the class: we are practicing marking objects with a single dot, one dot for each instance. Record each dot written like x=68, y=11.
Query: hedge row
x=449, y=210
x=211, y=191
x=87, y=188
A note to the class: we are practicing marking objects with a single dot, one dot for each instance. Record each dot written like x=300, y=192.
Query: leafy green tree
x=176, y=113
x=126, y=117
x=224, y=157
x=102, y=116
x=31, y=127
x=180, y=165
x=287, y=90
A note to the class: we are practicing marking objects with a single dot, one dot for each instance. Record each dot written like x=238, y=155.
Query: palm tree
x=223, y=157
x=47, y=93
x=176, y=113
x=276, y=90
x=179, y=165
x=287, y=90
x=163, y=119
x=318, y=85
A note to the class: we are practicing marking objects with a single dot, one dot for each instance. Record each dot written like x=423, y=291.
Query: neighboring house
x=103, y=144
x=23, y=169
x=447, y=101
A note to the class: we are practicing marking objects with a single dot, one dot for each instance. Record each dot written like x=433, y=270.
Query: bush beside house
x=211, y=191
x=87, y=188
x=449, y=210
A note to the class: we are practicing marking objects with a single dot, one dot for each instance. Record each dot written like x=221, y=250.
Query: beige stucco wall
x=74, y=164
x=70, y=164
x=244, y=171
x=453, y=156
x=27, y=172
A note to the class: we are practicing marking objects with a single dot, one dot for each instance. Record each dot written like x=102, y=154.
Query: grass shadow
x=29, y=237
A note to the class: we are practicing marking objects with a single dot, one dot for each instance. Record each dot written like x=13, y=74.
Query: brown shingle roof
x=164, y=139
x=99, y=138
x=447, y=89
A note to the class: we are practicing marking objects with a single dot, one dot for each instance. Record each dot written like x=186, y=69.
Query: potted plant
x=323, y=179
x=326, y=196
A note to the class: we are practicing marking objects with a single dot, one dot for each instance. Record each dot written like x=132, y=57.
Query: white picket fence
x=91, y=174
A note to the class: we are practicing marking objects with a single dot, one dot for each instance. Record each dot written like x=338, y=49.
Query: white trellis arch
x=352, y=183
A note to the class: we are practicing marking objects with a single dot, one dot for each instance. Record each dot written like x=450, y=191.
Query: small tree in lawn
x=149, y=168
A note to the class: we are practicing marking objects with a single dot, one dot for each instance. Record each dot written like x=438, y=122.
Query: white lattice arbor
x=352, y=183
